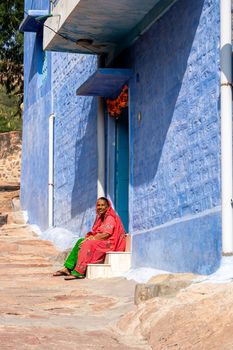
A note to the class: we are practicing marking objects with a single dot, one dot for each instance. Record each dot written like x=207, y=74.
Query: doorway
x=122, y=167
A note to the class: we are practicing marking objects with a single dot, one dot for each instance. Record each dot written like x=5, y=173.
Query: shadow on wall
x=85, y=184
x=37, y=57
x=164, y=51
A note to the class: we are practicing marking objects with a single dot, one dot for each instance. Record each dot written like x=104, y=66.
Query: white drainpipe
x=226, y=126
x=100, y=149
x=100, y=143
x=50, y=6
x=51, y=166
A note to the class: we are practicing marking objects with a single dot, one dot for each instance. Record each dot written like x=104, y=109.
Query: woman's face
x=102, y=206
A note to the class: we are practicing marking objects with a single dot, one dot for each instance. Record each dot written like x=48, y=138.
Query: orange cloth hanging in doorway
x=115, y=106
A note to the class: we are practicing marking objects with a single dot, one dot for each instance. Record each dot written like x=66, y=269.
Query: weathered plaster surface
x=174, y=197
x=175, y=149
x=37, y=108
x=75, y=156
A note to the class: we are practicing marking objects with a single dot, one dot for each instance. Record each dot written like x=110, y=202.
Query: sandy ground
x=38, y=311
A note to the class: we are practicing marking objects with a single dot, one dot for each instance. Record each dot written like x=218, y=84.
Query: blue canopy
x=105, y=82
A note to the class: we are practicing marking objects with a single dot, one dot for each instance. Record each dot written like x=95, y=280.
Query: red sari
x=94, y=251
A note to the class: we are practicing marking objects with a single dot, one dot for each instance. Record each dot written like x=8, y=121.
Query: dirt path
x=38, y=311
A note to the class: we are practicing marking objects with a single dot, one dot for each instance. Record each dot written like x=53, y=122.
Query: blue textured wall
x=37, y=108
x=174, y=199
x=75, y=155
x=51, y=80
x=175, y=149
x=192, y=244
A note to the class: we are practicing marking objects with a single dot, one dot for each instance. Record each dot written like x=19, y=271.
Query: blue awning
x=105, y=82
x=34, y=20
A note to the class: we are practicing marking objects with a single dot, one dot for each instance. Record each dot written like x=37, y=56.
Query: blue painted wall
x=37, y=108
x=75, y=155
x=174, y=197
x=51, y=80
x=175, y=148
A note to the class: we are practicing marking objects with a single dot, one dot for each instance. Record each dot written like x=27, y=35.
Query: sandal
x=73, y=277
x=61, y=273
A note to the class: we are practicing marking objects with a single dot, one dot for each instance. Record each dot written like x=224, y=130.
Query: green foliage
x=11, y=48
x=11, y=41
x=10, y=118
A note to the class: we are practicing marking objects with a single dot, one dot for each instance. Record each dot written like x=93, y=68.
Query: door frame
x=111, y=159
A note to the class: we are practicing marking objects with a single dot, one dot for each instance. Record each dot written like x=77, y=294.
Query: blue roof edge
x=31, y=22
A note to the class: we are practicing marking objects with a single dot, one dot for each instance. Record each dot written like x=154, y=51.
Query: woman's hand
x=88, y=238
x=102, y=236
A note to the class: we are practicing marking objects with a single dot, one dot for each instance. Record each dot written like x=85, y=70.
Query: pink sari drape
x=94, y=251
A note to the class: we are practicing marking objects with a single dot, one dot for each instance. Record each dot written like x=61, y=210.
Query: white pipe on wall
x=100, y=140
x=50, y=6
x=51, y=167
x=100, y=149
x=226, y=126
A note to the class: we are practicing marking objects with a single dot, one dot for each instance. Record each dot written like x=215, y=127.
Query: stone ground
x=200, y=317
x=38, y=311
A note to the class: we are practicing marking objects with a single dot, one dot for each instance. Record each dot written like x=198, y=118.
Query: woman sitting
x=107, y=234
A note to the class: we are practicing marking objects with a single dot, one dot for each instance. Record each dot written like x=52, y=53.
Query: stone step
x=119, y=261
x=98, y=271
x=115, y=264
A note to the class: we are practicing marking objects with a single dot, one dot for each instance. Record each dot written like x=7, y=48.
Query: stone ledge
x=166, y=285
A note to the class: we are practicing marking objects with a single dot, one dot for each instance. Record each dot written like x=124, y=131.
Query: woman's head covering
x=110, y=210
x=119, y=232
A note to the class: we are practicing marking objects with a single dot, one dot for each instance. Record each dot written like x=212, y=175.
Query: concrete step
x=119, y=261
x=98, y=271
x=114, y=265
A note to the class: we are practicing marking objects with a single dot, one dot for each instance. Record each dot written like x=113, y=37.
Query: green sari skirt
x=72, y=259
